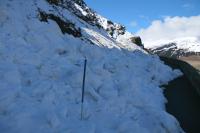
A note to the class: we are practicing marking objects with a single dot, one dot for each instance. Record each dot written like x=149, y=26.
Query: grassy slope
x=193, y=60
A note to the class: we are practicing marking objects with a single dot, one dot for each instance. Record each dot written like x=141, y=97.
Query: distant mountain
x=181, y=47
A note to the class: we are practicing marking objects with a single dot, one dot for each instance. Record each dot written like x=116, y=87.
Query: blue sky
x=137, y=14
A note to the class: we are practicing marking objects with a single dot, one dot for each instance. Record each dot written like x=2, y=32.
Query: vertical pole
x=83, y=88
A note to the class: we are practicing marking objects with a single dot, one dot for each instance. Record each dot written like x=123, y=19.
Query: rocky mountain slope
x=43, y=44
x=177, y=48
x=86, y=24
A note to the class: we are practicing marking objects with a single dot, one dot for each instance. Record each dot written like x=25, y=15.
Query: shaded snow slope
x=41, y=75
x=178, y=47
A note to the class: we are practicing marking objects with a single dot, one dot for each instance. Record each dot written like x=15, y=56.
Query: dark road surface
x=184, y=104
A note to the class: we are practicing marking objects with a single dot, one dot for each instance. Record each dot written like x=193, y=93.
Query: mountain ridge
x=180, y=47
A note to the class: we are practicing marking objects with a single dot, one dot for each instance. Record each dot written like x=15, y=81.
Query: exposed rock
x=137, y=40
x=114, y=29
x=65, y=25
x=55, y=2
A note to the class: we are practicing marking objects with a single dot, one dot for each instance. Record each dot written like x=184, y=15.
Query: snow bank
x=41, y=75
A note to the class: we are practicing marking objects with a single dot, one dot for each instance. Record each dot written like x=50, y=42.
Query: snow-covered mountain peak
x=185, y=46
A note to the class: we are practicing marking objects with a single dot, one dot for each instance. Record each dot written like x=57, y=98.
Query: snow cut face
x=41, y=76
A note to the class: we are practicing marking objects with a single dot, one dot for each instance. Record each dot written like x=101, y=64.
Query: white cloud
x=171, y=28
x=133, y=24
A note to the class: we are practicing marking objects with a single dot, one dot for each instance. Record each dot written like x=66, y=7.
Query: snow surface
x=190, y=44
x=41, y=76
